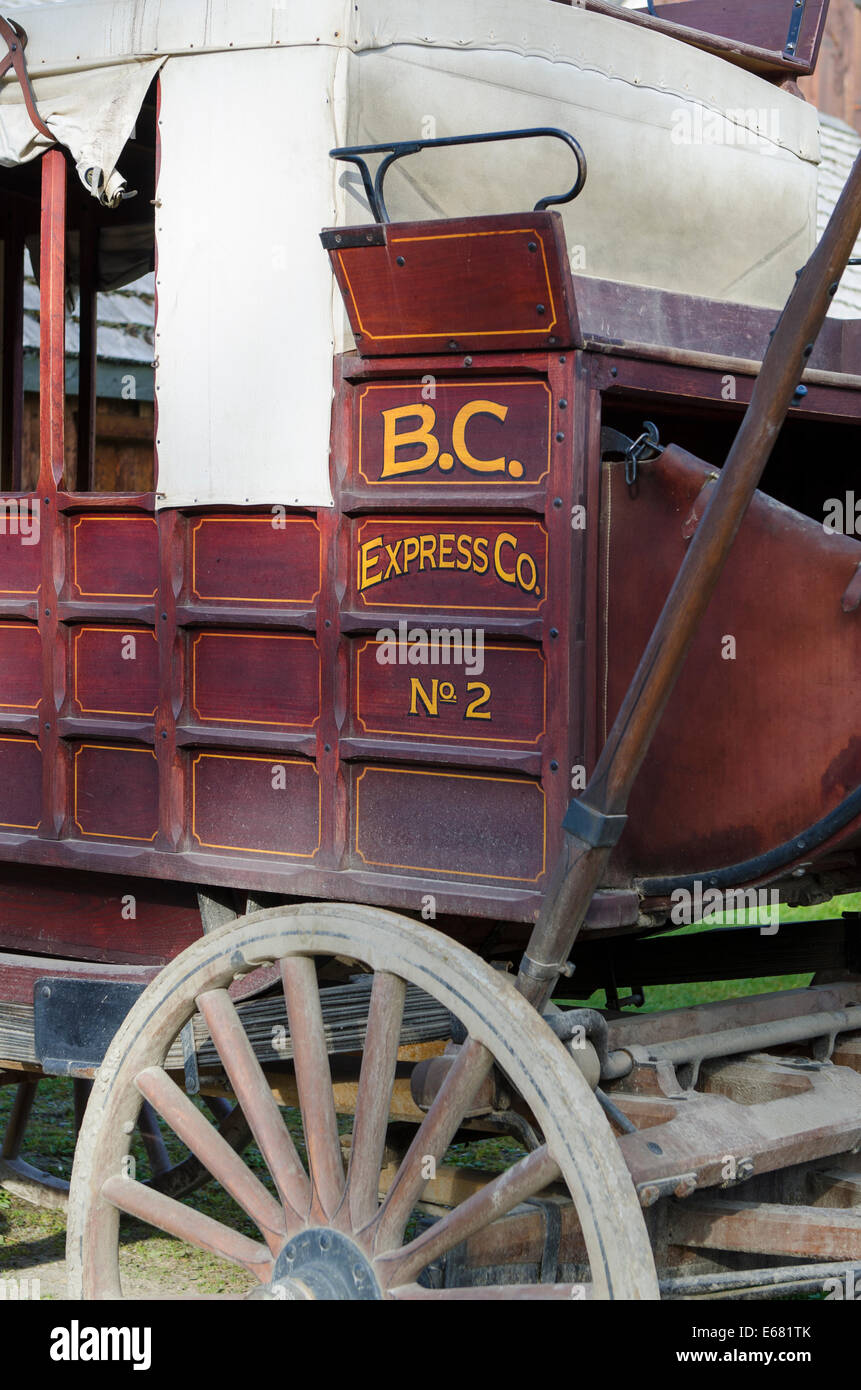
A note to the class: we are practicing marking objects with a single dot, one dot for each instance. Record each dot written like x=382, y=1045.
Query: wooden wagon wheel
x=177, y=1179
x=327, y=1235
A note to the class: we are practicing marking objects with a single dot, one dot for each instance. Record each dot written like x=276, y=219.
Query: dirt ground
x=32, y=1247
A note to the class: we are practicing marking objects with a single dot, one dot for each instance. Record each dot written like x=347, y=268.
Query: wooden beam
x=812, y=1233
x=52, y=319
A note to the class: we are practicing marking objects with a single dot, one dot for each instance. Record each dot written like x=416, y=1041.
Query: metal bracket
x=353, y=154
x=591, y=826
x=189, y=1059
x=632, y=451
x=795, y=21
x=16, y=42
x=549, y=1270
x=74, y=1021
x=681, y=1185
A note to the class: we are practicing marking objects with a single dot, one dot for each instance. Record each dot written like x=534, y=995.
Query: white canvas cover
x=91, y=112
x=702, y=178
x=244, y=335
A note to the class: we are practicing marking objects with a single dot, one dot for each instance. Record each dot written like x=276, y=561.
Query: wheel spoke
x=505, y=1293
x=314, y=1081
x=532, y=1174
x=214, y=1153
x=156, y=1150
x=25, y=1094
x=253, y=1094
x=218, y=1107
x=81, y=1089
x=374, y=1096
x=433, y=1137
x=187, y=1224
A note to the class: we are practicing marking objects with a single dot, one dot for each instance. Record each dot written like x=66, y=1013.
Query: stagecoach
x=483, y=609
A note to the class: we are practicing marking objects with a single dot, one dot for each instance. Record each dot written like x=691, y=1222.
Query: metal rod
x=353, y=154
x=783, y=1277
x=756, y=1037
x=583, y=859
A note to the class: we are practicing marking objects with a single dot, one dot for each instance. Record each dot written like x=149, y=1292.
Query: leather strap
x=16, y=42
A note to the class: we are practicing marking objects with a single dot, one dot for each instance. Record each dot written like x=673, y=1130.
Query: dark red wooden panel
x=115, y=671
x=95, y=916
x=266, y=679
x=20, y=666
x=255, y=559
x=753, y=36
x=482, y=283
x=115, y=793
x=20, y=561
x=504, y=704
x=114, y=557
x=481, y=432
x=20, y=783
x=473, y=825
x=259, y=805
x=19, y=974
x=762, y=25
x=450, y=565
x=760, y=737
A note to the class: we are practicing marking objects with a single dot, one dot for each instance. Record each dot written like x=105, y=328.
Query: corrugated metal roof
x=126, y=324
x=840, y=146
x=126, y=321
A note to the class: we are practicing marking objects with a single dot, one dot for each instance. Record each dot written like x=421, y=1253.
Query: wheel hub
x=323, y=1264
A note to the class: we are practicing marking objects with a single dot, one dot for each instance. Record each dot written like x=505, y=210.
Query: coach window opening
x=78, y=311
x=20, y=200
x=813, y=460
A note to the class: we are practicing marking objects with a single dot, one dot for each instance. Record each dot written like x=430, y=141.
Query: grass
x=682, y=996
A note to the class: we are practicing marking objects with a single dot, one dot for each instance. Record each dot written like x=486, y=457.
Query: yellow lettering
x=411, y=550
x=458, y=435
x=428, y=551
x=394, y=440
x=366, y=578
x=479, y=549
x=463, y=549
x=393, y=559
x=474, y=708
x=418, y=692
x=504, y=538
x=525, y=561
x=445, y=544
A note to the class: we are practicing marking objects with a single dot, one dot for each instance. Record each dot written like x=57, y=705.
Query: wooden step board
x=764, y=1228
